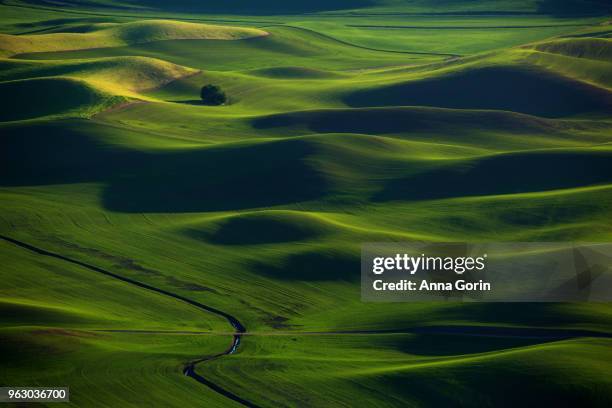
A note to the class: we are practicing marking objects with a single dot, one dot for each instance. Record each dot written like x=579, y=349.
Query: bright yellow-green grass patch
x=585, y=59
x=116, y=74
x=117, y=35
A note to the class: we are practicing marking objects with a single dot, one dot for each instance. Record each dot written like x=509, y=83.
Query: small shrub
x=212, y=95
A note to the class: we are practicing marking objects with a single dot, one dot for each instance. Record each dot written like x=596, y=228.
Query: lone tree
x=212, y=95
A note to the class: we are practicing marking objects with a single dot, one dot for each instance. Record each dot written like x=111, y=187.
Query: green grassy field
x=125, y=203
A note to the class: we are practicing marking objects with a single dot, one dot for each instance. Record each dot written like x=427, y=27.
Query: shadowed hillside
x=34, y=98
x=401, y=119
x=261, y=228
x=527, y=90
x=504, y=174
x=190, y=180
x=312, y=266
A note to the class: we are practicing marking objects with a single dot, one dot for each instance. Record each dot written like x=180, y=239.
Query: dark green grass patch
x=312, y=266
x=526, y=90
x=504, y=174
x=384, y=120
x=293, y=73
x=232, y=177
x=32, y=98
x=261, y=228
x=403, y=370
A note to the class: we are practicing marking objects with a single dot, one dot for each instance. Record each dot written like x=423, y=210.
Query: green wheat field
x=156, y=251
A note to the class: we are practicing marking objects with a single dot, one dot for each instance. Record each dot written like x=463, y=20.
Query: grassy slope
x=115, y=35
x=419, y=370
x=55, y=97
x=43, y=299
x=65, y=301
x=286, y=46
x=587, y=59
x=157, y=184
x=456, y=34
x=124, y=73
x=108, y=368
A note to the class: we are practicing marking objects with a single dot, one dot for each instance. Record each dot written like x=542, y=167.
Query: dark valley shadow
x=33, y=98
x=60, y=152
x=525, y=90
x=217, y=179
x=205, y=179
x=258, y=228
x=448, y=344
x=571, y=8
x=312, y=266
x=383, y=120
x=504, y=174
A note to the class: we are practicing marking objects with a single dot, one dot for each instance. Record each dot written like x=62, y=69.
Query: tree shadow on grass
x=195, y=102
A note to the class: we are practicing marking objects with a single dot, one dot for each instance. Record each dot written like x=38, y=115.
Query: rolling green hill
x=35, y=98
x=114, y=35
x=127, y=75
x=541, y=93
x=142, y=232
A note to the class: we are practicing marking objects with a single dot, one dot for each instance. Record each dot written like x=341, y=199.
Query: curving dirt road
x=189, y=368
x=240, y=331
